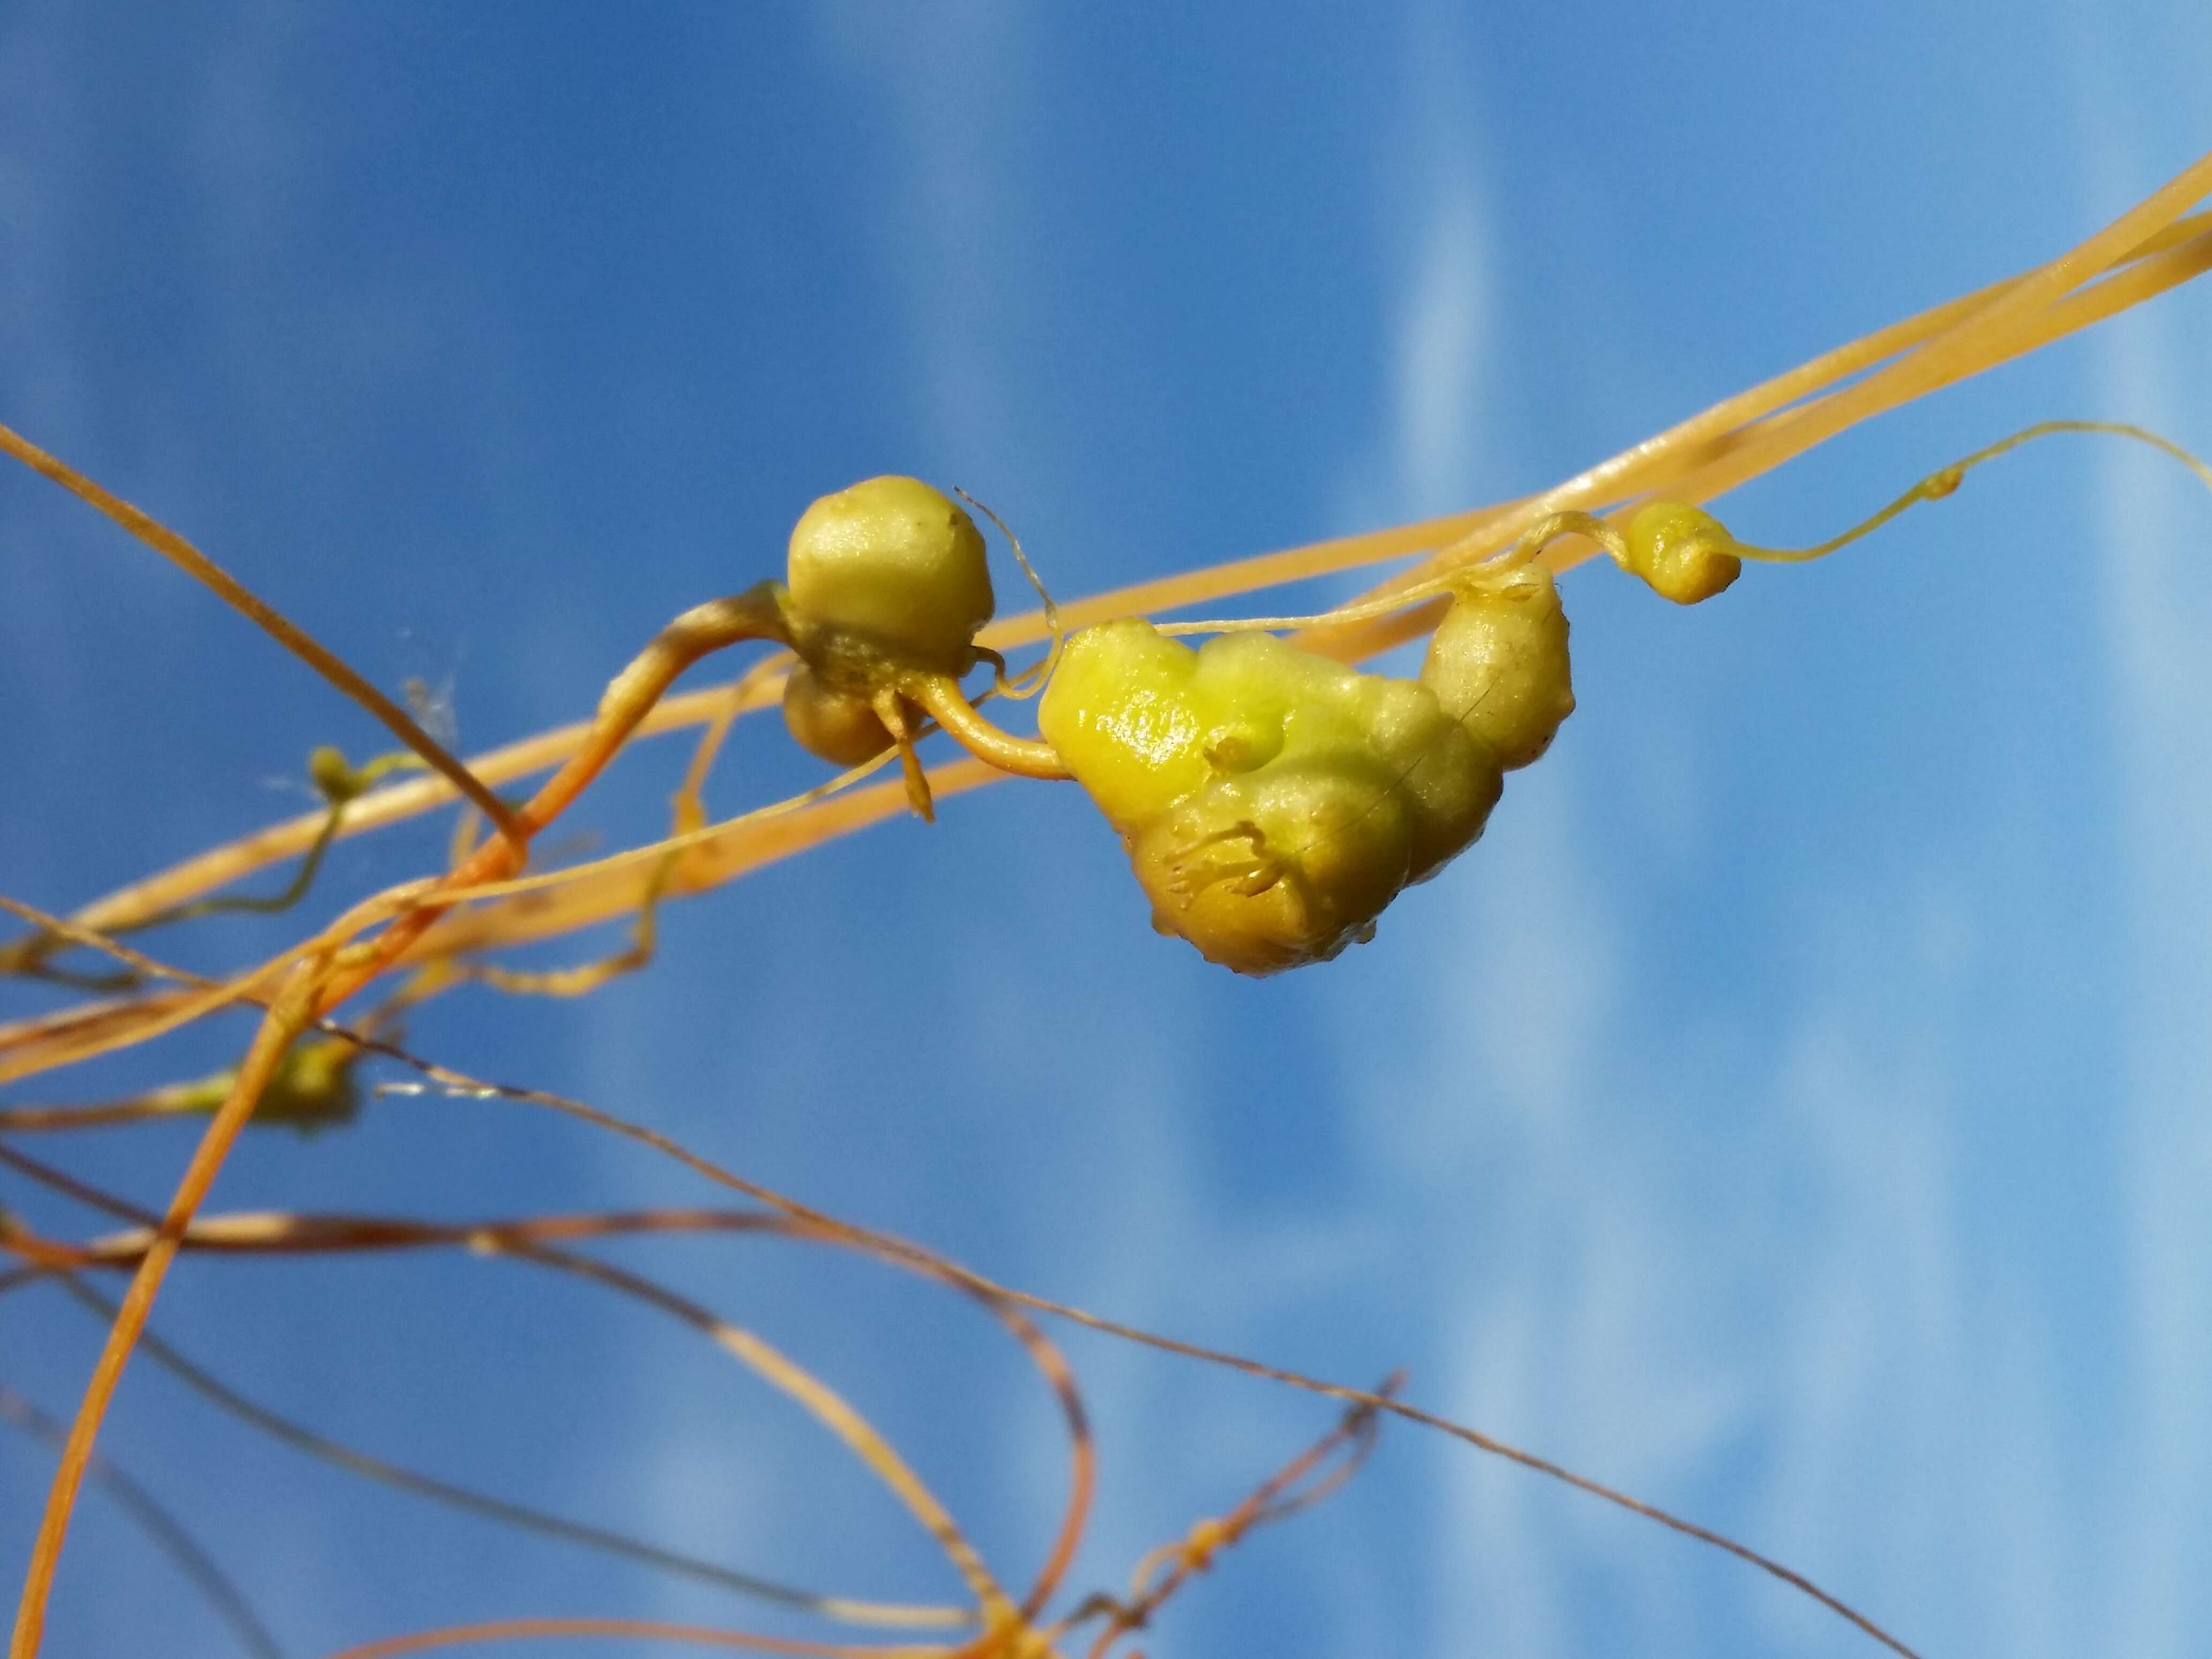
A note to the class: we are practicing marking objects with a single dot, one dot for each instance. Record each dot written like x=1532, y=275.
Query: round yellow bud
x=1499, y=665
x=897, y=564
x=1685, y=554
x=836, y=726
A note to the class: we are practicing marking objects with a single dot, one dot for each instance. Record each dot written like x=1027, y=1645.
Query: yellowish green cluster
x=1273, y=801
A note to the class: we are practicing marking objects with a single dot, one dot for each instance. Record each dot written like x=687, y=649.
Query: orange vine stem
x=282, y=1023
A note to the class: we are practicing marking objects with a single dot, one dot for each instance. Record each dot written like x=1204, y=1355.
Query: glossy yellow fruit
x=839, y=726
x=1499, y=665
x=895, y=565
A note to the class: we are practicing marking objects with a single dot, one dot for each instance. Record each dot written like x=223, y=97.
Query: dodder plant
x=1274, y=800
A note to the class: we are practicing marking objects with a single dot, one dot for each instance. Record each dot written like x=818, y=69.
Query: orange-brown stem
x=754, y=614
x=1023, y=756
x=282, y=1023
x=188, y=558
x=890, y=709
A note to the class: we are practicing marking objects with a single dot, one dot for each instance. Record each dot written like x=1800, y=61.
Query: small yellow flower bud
x=1686, y=555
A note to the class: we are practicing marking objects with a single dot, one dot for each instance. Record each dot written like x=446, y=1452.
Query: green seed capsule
x=1499, y=665
x=836, y=726
x=1273, y=802
x=312, y=1088
x=1685, y=554
x=898, y=565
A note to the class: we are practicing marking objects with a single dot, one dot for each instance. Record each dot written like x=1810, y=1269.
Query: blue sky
x=1794, y=1110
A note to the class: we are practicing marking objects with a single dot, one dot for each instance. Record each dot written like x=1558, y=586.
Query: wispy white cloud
x=248, y=147
x=2153, y=1524
x=1443, y=334
x=1427, y=457
x=2158, y=615
x=1860, y=1376
x=952, y=78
